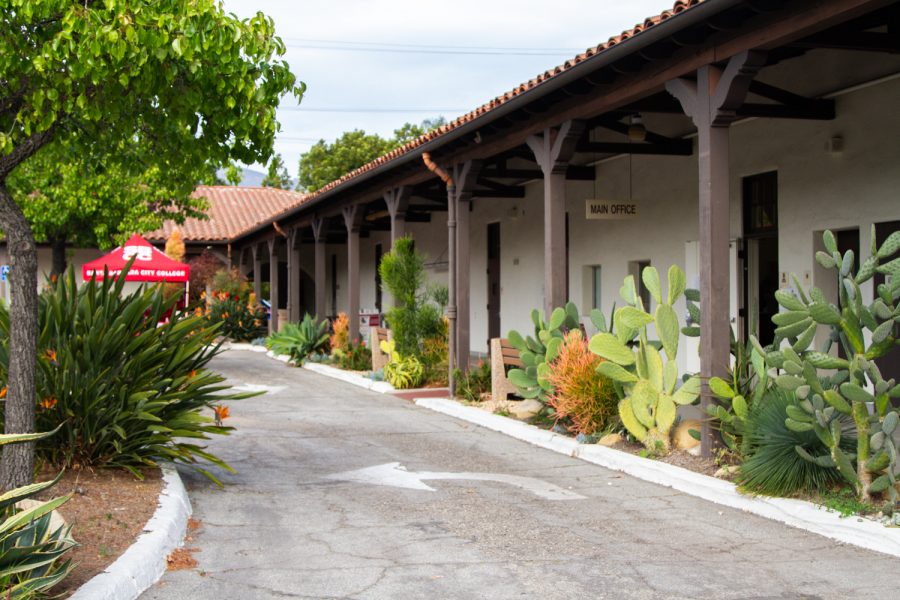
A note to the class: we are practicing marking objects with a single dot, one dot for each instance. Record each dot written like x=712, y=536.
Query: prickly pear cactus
x=645, y=382
x=853, y=386
x=539, y=351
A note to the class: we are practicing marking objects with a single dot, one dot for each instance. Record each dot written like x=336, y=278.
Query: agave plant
x=30, y=552
x=299, y=340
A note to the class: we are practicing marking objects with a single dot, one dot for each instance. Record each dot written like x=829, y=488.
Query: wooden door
x=493, y=280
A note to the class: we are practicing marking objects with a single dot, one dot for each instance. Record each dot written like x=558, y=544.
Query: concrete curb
x=864, y=533
x=381, y=387
x=144, y=562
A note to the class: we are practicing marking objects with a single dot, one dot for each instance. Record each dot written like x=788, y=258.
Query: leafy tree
x=234, y=174
x=91, y=201
x=179, y=79
x=325, y=162
x=277, y=175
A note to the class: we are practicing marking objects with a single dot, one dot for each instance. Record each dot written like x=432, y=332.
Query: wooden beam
x=573, y=173
x=676, y=148
x=859, y=41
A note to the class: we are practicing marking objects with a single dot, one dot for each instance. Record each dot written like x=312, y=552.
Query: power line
x=444, y=52
x=357, y=46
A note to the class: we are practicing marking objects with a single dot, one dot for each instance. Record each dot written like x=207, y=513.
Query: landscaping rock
x=681, y=437
x=56, y=519
x=611, y=439
x=726, y=472
x=525, y=409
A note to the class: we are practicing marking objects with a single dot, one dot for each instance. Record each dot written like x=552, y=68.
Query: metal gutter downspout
x=451, y=251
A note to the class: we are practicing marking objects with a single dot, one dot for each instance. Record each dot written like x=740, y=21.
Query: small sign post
x=610, y=209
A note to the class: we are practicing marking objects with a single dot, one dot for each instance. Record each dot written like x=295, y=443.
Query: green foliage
x=356, y=356
x=30, y=552
x=238, y=319
x=645, y=383
x=326, y=162
x=472, y=384
x=299, y=340
x=402, y=372
x=848, y=387
x=277, y=175
x=234, y=175
x=537, y=352
x=772, y=466
x=845, y=502
x=745, y=386
x=123, y=390
x=90, y=200
x=417, y=313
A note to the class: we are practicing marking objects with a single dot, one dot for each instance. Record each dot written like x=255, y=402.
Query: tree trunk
x=58, y=247
x=17, y=464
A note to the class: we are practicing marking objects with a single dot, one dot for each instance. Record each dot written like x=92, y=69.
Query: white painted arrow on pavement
x=395, y=475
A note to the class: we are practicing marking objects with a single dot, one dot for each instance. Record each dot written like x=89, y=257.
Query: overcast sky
x=375, y=64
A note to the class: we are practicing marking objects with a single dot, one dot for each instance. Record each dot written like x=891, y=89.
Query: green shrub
x=30, y=553
x=240, y=320
x=299, y=340
x=124, y=391
x=356, y=357
x=772, y=465
x=476, y=382
x=402, y=372
x=418, y=311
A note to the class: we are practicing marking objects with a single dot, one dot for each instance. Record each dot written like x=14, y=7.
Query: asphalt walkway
x=299, y=521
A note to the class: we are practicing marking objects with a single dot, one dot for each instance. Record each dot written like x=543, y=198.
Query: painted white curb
x=864, y=533
x=382, y=387
x=242, y=346
x=145, y=560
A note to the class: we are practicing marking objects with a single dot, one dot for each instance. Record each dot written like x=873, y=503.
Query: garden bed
x=108, y=510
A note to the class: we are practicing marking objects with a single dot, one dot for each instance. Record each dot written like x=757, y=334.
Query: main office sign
x=610, y=209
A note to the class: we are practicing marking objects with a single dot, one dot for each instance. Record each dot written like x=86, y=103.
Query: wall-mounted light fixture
x=636, y=130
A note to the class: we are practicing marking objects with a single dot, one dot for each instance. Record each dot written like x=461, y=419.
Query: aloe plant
x=828, y=386
x=537, y=352
x=647, y=385
x=30, y=552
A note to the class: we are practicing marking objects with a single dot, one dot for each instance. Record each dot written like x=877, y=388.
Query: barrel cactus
x=854, y=385
x=647, y=385
x=537, y=352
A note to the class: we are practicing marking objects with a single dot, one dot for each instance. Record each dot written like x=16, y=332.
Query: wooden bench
x=503, y=356
x=376, y=336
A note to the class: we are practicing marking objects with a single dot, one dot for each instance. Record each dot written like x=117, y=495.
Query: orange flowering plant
x=123, y=390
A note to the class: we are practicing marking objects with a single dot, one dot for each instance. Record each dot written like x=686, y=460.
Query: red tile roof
x=679, y=7
x=232, y=210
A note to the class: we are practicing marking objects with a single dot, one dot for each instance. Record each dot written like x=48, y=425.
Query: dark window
x=378, y=253
x=761, y=203
x=643, y=292
x=334, y=283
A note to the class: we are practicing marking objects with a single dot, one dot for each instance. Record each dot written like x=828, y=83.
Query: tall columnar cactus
x=853, y=385
x=647, y=384
x=537, y=352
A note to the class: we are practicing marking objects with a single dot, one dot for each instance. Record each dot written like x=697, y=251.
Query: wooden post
x=353, y=221
x=552, y=150
x=293, y=259
x=397, y=200
x=257, y=272
x=273, y=285
x=711, y=103
x=464, y=178
x=319, y=234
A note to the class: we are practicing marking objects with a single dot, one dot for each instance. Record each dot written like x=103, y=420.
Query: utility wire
x=355, y=46
x=372, y=110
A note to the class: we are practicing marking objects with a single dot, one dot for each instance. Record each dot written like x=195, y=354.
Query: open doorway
x=493, y=281
x=760, y=265
x=890, y=364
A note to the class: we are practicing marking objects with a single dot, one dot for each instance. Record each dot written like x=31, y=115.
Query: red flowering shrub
x=580, y=393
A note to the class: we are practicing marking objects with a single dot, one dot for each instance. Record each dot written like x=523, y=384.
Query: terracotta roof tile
x=232, y=210
x=679, y=7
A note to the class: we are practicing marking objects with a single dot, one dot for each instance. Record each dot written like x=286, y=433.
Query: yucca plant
x=299, y=340
x=772, y=464
x=123, y=390
x=30, y=552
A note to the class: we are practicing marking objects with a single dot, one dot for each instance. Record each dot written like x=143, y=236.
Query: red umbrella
x=150, y=264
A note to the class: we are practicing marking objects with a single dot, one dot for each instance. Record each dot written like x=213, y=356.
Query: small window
x=378, y=253
x=761, y=203
x=643, y=292
x=595, y=287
